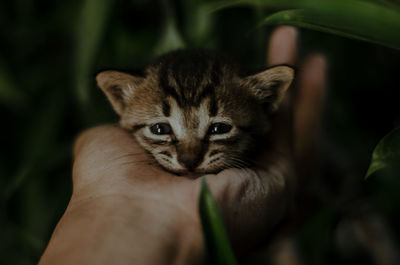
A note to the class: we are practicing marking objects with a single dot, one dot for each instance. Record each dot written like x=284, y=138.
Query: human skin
x=124, y=210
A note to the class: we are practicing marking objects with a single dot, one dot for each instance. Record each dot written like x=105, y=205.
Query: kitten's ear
x=271, y=85
x=119, y=87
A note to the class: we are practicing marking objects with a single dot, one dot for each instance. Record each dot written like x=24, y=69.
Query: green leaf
x=91, y=26
x=217, y=241
x=367, y=21
x=386, y=153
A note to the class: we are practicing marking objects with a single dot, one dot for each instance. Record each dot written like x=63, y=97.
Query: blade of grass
x=217, y=241
x=386, y=153
x=90, y=29
x=170, y=39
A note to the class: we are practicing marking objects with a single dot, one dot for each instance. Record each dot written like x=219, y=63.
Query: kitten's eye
x=219, y=128
x=161, y=128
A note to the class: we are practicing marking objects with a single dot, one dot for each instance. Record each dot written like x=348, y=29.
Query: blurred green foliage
x=51, y=50
x=386, y=153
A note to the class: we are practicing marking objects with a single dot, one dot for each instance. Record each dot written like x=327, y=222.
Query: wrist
x=121, y=230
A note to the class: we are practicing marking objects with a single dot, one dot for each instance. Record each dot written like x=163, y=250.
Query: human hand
x=124, y=210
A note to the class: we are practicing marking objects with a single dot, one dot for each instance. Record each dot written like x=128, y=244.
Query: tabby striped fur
x=190, y=90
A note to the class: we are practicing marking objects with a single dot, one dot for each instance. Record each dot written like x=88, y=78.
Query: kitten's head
x=193, y=110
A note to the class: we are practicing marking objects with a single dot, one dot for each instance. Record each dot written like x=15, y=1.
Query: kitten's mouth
x=193, y=174
x=188, y=173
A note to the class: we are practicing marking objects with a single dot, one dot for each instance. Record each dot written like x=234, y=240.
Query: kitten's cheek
x=211, y=165
x=169, y=163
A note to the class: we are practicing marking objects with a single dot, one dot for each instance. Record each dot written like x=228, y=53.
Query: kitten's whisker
x=242, y=170
x=240, y=164
x=237, y=161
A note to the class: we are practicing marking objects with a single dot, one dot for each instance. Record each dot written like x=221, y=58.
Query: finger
x=103, y=143
x=282, y=50
x=308, y=108
x=282, y=46
x=241, y=193
x=103, y=151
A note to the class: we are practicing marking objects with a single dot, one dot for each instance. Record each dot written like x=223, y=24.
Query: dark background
x=48, y=60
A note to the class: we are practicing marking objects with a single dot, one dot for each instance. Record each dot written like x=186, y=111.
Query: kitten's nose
x=190, y=161
x=190, y=154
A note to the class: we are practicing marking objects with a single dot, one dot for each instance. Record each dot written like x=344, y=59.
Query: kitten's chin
x=186, y=173
x=192, y=174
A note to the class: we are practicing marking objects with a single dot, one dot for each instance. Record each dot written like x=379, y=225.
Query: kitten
x=194, y=111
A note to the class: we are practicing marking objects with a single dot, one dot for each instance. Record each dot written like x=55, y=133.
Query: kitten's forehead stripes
x=166, y=108
x=195, y=78
x=213, y=107
x=165, y=86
